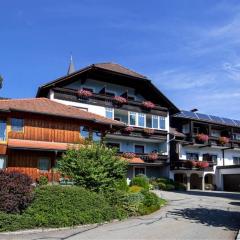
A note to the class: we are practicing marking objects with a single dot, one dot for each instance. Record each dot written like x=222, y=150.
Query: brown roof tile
x=118, y=68
x=49, y=107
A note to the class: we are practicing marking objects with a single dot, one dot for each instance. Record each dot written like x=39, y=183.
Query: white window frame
x=107, y=109
x=136, y=119
x=156, y=117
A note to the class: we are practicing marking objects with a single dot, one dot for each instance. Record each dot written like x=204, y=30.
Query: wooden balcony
x=106, y=101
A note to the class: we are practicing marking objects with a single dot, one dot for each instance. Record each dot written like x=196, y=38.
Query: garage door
x=231, y=182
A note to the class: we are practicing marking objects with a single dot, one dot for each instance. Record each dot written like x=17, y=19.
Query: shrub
x=162, y=185
x=94, y=166
x=170, y=187
x=141, y=181
x=135, y=189
x=43, y=180
x=15, y=192
x=122, y=185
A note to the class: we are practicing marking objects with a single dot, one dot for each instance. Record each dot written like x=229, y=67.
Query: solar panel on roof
x=203, y=117
x=229, y=121
x=216, y=119
x=237, y=122
x=190, y=114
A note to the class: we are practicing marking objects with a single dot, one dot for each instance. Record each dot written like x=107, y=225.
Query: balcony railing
x=102, y=99
x=184, y=165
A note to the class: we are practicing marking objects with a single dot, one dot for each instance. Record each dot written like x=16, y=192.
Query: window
x=192, y=156
x=109, y=94
x=109, y=113
x=113, y=145
x=155, y=122
x=139, y=170
x=210, y=157
x=236, y=136
x=44, y=164
x=17, y=125
x=236, y=160
x=132, y=118
x=215, y=133
x=84, y=132
x=162, y=122
x=139, y=149
x=141, y=120
x=3, y=126
x=96, y=136
x=2, y=162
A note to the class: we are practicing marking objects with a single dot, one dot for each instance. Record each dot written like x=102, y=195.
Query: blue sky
x=189, y=49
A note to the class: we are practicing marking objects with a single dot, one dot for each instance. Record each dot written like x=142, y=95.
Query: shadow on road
x=230, y=195
x=210, y=217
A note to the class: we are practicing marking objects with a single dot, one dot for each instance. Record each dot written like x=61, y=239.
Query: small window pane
x=2, y=162
x=17, y=124
x=141, y=120
x=139, y=149
x=132, y=118
x=192, y=156
x=3, y=126
x=96, y=136
x=236, y=160
x=43, y=164
x=154, y=121
x=109, y=113
x=84, y=132
x=162, y=122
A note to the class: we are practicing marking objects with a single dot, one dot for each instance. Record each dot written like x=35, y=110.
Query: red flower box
x=190, y=164
x=148, y=131
x=120, y=100
x=202, y=164
x=148, y=104
x=223, y=140
x=202, y=137
x=84, y=93
x=129, y=155
x=153, y=156
x=128, y=129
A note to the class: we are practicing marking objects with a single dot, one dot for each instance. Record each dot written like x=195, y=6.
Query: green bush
x=141, y=181
x=60, y=206
x=135, y=189
x=162, y=186
x=43, y=180
x=122, y=185
x=170, y=187
x=93, y=166
x=167, y=184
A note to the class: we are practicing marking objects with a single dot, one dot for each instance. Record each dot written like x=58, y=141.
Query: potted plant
x=128, y=130
x=202, y=137
x=120, y=100
x=84, y=93
x=223, y=140
x=128, y=155
x=148, y=104
x=153, y=156
x=148, y=131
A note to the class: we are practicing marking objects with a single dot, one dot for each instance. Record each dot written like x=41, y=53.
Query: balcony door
x=3, y=127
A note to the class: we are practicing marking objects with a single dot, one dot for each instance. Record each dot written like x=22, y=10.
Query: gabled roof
x=123, y=76
x=208, y=118
x=46, y=106
x=115, y=67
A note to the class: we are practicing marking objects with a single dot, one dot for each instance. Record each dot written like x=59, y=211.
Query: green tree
x=93, y=166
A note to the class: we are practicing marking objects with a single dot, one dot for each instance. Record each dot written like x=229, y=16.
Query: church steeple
x=71, y=68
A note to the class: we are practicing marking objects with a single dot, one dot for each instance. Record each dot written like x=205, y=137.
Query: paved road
x=192, y=215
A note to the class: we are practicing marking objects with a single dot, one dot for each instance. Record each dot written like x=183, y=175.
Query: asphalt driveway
x=189, y=215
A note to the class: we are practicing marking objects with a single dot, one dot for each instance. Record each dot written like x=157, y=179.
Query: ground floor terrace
x=188, y=215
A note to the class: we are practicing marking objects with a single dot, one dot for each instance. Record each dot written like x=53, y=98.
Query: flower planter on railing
x=119, y=100
x=202, y=137
x=129, y=155
x=202, y=165
x=153, y=156
x=84, y=93
x=148, y=131
x=223, y=140
x=148, y=105
x=127, y=130
x=190, y=164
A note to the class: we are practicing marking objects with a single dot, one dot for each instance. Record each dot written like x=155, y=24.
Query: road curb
x=238, y=235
